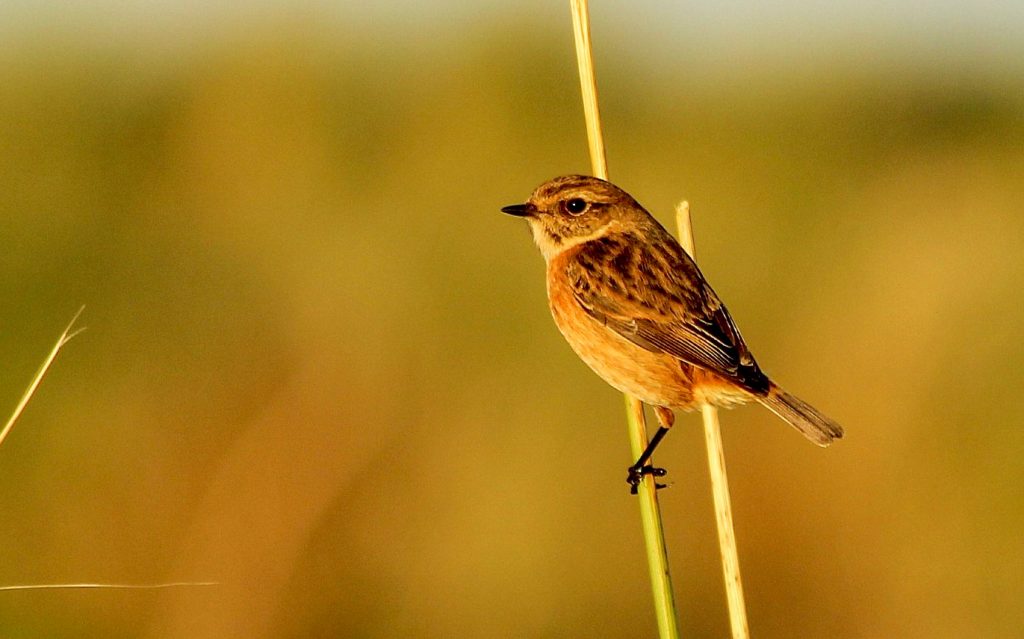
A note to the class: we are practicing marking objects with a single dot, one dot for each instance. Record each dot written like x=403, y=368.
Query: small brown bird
x=635, y=307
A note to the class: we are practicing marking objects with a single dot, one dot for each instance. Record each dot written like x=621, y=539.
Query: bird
x=634, y=306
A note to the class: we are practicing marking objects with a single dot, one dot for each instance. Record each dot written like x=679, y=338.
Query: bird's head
x=573, y=209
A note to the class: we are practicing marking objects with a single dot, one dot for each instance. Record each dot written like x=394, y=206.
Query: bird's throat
x=552, y=242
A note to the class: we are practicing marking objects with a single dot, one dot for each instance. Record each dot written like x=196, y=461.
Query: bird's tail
x=802, y=416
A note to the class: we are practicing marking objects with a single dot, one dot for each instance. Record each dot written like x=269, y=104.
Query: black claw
x=636, y=475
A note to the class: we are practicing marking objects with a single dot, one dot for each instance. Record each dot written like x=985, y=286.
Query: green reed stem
x=650, y=515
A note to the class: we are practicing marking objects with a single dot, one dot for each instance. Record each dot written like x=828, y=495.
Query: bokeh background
x=319, y=368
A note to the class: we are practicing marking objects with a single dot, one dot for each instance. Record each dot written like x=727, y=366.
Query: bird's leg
x=637, y=471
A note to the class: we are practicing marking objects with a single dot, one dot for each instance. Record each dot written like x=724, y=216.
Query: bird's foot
x=636, y=475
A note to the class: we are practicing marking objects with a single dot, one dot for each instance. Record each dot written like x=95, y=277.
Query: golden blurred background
x=319, y=368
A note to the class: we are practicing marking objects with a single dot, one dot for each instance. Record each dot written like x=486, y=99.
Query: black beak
x=522, y=210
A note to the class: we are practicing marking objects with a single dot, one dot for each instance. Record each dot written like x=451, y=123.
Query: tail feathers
x=802, y=416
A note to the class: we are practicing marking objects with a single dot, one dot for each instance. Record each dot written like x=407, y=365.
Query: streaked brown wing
x=654, y=296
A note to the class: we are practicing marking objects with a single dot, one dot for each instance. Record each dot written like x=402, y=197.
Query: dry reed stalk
x=91, y=586
x=65, y=337
x=719, y=480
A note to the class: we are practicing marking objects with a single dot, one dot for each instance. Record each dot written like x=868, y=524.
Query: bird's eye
x=575, y=206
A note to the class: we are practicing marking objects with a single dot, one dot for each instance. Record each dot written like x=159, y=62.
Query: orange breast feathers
x=657, y=379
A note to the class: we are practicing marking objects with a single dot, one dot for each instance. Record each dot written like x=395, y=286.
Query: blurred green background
x=320, y=370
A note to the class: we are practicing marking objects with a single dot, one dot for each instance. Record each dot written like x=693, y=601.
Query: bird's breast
x=654, y=378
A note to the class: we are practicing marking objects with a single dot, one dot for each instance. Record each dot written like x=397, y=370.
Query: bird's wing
x=653, y=295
